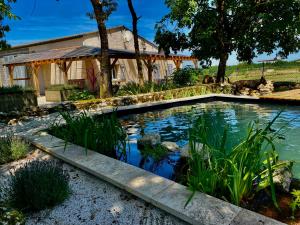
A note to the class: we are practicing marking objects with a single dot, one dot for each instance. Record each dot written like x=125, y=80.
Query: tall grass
x=104, y=134
x=237, y=174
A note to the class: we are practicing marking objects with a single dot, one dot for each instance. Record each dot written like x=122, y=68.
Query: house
x=74, y=60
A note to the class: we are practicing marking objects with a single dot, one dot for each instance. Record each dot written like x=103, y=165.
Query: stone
x=282, y=177
x=170, y=146
x=12, y=122
x=149, y=140
x=184, y=152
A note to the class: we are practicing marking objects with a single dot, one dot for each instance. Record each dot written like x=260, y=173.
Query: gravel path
x=93, y=201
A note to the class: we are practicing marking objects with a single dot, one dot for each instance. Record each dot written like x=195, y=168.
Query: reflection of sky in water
x=172, y=124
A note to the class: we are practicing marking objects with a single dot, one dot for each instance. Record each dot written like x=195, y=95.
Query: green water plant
x=295, y=204
x=155, y=152
x=103, y=134
x=235, y=174
x=12, y=148
x=37, y=186
x=80, y=95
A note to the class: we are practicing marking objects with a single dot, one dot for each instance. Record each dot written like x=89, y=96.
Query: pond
x=173, y=124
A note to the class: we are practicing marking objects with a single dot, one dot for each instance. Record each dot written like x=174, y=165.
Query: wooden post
x=11, y=75
x=35, y=78
x=195, y=61
x=64, y=67
x=177, y=63
x=149, y=63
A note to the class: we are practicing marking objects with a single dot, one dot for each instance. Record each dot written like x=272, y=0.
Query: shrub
x=148, y=87
x=38, y=185
x=80, y=95
x=11, y=216
x=104, y=134
x=14, y=89
x=186, y=77
x=62, y=87
x=236, y=174
x=12, y=148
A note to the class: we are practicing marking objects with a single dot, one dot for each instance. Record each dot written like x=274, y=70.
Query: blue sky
x=44, y=19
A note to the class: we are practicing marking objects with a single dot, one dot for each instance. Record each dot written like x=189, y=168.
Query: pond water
x=173, y=124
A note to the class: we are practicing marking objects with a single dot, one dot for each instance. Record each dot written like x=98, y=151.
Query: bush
x=38, y=185
x=80, y=95
x=11, y=216
x=148, y=87
x=12, y=148
x=104, y=134
x=14, y=89
x=186, y=77
x=62, y=87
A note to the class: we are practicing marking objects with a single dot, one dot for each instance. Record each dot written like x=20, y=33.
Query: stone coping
x=161, y=192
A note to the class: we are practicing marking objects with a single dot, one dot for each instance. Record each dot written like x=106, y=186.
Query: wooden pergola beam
x=11, y=75
x=35, y=79
x=64, y=67
x=177, y=63
x=149, y=64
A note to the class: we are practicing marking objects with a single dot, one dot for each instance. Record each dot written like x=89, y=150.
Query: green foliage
x=296, y=202
x=234, y=174
x=104, y=134
x=214, y=29
x=11, y=216
x=37, y=186
x=157, y=152
x=80, y=95
x=62, y=87
x=13, y=89
x=148, y=87
x=186, y=77
x=12, y=148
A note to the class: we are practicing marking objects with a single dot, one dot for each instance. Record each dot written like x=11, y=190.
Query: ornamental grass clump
x=103, y=134
x=235, y=174
x=37, y=186
x=12, y=148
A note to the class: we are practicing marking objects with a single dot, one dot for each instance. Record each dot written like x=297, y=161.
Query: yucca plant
x=104, y=134
x=232, y=175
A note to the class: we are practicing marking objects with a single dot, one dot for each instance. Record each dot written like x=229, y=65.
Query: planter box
x=57, y=96
x=17, y=101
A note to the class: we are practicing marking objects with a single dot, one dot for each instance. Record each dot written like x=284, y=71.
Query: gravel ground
x=93, y=201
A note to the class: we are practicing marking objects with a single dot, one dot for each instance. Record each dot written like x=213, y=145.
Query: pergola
x=65, y=56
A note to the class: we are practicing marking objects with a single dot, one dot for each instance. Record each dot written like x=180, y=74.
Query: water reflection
x=173, y=124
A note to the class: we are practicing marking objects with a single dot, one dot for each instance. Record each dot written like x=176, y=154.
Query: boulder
x=185, y=153
x=282, y=177
x=265, y=89
x=149, y=140
x=13, y=122
x=170, y=146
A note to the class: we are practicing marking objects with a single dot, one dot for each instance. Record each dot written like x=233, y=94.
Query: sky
x=45, y=19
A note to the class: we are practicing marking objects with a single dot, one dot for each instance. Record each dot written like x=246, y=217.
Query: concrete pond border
x=160, y=192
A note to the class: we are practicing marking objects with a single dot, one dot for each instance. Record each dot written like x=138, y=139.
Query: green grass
x=103, y=134
x=278, y=71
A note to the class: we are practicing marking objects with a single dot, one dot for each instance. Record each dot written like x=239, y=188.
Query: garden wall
x=17, y=101
x=152, y=97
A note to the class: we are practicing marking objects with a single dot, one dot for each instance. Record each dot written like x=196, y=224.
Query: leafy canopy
x=212, y=28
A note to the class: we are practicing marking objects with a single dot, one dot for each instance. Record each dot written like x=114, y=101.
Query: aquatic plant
x=156, y=152
x=103, y=134
x=234, y=175
x=295, y=204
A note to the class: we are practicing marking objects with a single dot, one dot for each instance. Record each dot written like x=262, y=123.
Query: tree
x=102, y=10
x=217, y=28
x=5, y=12
x=136, y=42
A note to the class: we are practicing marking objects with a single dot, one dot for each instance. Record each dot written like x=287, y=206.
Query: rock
x=282, y=177
x=184, y=152
x=171, y=146
x=266, y=89
x=149, y=140
x=13, y=122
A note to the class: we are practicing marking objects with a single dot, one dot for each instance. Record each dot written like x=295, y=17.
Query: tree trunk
x=222, y=68
x=136, y=42
x=105, y=65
